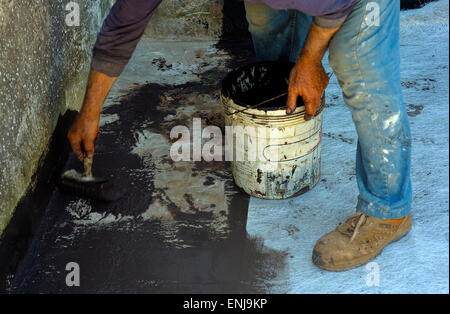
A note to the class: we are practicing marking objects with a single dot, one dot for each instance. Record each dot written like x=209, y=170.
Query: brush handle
x=87, y=167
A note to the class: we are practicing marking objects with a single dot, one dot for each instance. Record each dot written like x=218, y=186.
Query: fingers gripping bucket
x=288, y=148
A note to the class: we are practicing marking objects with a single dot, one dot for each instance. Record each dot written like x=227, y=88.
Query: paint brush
x=87, y=186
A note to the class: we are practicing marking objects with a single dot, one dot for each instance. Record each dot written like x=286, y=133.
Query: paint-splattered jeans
x=365, y=57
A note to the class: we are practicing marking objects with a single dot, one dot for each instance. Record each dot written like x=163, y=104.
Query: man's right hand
x=82, y=135
x=84, y=130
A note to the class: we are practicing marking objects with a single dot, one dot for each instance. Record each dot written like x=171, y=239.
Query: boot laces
x=356, y=221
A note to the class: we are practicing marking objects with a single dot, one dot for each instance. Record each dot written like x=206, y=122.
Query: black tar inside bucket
x=258, y=82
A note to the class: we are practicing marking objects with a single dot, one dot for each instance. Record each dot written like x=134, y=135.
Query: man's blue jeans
x=365, y=56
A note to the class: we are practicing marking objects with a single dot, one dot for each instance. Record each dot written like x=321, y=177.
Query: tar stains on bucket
x=288, y=147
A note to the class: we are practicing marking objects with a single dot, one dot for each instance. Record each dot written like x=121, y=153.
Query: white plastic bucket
x=288, y=159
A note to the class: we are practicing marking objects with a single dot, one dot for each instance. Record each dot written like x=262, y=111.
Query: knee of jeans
x=258, y=20
x=257, y=14
x=342, y=60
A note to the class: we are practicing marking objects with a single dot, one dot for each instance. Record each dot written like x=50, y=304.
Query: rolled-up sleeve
x=120, y=34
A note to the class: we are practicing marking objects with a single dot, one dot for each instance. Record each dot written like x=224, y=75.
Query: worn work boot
x=358, y=240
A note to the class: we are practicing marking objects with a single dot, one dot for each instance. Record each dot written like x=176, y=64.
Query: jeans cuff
x=383, y=212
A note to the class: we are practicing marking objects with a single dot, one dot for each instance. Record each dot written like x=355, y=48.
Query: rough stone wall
x=187, y=19
x=43, y=70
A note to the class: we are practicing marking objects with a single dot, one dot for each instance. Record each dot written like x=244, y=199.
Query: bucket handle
x=302, y=140
x=330, y=75
x=257, y=105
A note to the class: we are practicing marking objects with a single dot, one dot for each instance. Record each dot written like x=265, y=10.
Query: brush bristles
x=95, y=188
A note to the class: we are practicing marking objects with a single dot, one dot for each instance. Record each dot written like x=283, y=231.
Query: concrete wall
x=43, y=71
x=187, y=19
